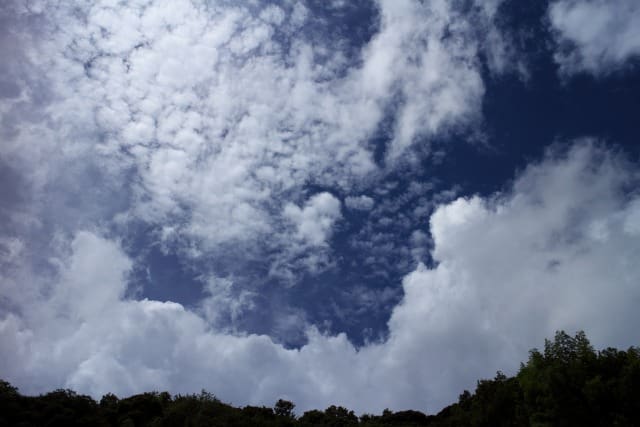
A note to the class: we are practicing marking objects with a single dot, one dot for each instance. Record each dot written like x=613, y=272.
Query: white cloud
x=360, y=203
x=596, y=36
x=196, y=118
x=203, y=120
x=11, y=248
x=511, y=270
x=436, y=77
x=314, y=222
x=223, y=304
x=179, y=106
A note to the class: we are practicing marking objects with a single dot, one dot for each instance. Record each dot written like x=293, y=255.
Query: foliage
x=284, y=408
x=567, y=384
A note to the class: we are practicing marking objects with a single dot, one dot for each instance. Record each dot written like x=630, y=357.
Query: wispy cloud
x=595, y=36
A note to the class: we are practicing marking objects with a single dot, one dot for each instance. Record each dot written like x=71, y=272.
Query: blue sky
x=363, y=203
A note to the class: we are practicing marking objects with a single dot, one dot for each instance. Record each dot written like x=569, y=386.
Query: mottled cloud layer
x=204, y=119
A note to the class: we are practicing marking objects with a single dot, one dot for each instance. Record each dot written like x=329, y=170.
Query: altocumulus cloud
x=558, y=251
x=172, y=115
x=175, y=109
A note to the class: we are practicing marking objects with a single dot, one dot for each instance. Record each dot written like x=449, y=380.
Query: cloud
x=436, y=77
x=198, y=122
x=314, y=222
x=557, y=250
x=195, y=123
x=224, y=304
x=391, y=239
x=359, y=203
x=552, y=253
x=209, y=124
x=595, y=36
x=185, y=101
x=304, y=245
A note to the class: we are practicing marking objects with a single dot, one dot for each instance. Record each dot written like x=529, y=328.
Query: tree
x=6, y=389
x=284, y=408
x=339, y=416
x=313, y=418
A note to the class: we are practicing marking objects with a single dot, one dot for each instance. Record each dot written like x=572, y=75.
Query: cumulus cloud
x=595, y=36
x=558, y=250
x=304, y=245
x=314, y=222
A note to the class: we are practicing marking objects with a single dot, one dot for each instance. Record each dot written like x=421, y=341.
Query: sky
x=367, y=203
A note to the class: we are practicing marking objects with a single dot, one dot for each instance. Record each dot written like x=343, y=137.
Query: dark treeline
x=567, y=384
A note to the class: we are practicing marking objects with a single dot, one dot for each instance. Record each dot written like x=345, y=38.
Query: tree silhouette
x=284, y=408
